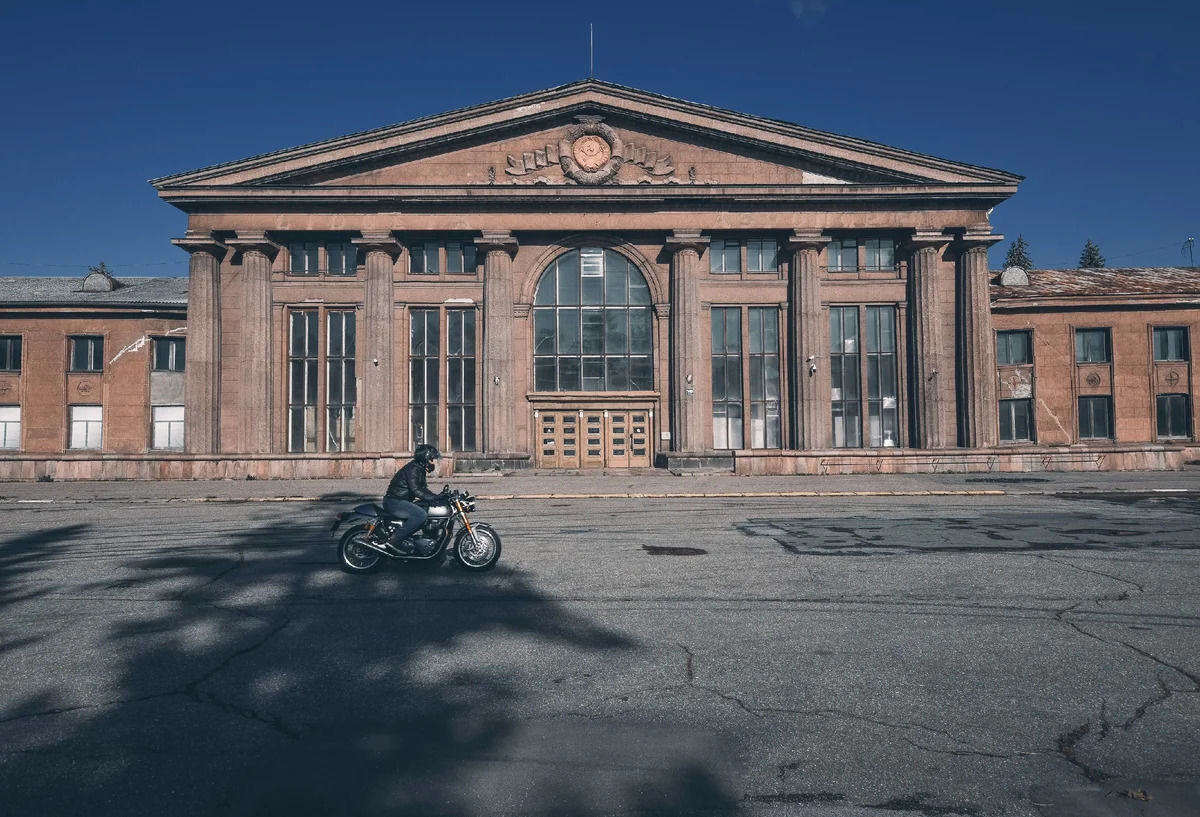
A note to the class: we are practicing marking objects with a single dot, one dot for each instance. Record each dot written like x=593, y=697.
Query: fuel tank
x=439, y=511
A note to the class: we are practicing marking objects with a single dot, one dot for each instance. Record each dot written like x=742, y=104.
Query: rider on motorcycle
x=408, y=487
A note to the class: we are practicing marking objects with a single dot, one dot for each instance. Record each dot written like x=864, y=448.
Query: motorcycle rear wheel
x=353, y=555
x=478, y=554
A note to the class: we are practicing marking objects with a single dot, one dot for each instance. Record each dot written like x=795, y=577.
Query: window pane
x=454, y=257
x=546, y=291
x=568, y=374
x=568, y=278
x=543, y=331
x=544, y=374
x=640, y=374
x=568, y=331
x=616, y=331
x=594, y=330
x=616, y=280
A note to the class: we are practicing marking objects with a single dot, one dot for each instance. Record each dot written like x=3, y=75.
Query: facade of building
x=594, y=276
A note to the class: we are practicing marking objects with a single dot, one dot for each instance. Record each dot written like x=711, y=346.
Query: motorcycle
x=476, y=546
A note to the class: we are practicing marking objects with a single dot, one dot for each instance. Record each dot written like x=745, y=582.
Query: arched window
x=591, y=325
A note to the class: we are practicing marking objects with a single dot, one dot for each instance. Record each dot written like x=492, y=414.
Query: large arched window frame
x=592, y=327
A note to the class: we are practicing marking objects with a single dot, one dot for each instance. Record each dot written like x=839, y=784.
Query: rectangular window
x=1016, y=421
x=87, y=353
x=86, y=426
x=304, y=339
x=166, y=427
x=423, y=258
x=341, y=380
x=460, y=257
x=342, y=258
x=727, y=377
x=842, y=254
x=883, y=411
x=460, y=378
x=846, y=393
x=10, y=427
x=168, y=354
x=1095, y=418
x=10, y=353
x=1092, y=346
x=725, y=255
x=766, y=427
x=762, y=255
x=423, y=376
x=304, y=257
x=881, y=254
x=1170, y=344
x=1014, y=347
x=1174, y=415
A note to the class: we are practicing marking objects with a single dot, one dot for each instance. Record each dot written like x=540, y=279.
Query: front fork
x=466, y=522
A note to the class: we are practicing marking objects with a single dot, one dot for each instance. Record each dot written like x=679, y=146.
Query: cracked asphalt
x=842, y=656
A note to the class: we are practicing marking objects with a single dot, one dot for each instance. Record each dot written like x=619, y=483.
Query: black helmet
x=427, y=455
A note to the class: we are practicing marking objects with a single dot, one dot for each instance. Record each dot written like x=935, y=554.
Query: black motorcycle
x=366, y=542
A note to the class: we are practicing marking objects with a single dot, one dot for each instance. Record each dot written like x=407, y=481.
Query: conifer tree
x=1091, y=258
x=1018, y=254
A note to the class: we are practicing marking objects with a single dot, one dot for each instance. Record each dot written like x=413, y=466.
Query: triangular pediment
x=588, y=133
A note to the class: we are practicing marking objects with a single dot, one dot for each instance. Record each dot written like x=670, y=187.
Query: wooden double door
x=594, y=438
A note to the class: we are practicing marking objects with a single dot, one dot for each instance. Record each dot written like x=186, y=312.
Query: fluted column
x=974, y=345
x=808, y=363
x=376, y=344
x=202, y=378
x=499, y=382
x=688, y=412
x=256, y=251
x=930, y=364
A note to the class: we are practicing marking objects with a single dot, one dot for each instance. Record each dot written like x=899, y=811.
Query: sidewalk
x=648, y=483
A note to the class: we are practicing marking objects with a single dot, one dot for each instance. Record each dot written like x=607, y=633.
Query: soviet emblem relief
x=1093, y=379
x=590, y=153
x=1172, y=378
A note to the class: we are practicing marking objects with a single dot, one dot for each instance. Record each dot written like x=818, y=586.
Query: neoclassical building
x=590, y=276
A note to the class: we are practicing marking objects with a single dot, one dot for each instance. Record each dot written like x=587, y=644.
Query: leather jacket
x=409, y=484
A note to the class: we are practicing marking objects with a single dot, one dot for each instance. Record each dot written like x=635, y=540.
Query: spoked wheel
x=480, y=552
x=354, y=556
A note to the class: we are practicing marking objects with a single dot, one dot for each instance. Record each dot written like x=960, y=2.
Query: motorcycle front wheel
x=478, y=554
x=353, y=555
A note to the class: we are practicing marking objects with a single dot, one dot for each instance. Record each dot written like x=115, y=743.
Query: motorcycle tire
x=355, y=557
x=477, y=557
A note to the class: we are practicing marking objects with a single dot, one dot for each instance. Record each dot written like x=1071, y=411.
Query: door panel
x=594, y=438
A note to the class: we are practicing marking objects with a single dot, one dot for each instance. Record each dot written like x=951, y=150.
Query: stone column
x=202, y=381
x=256, y=251
x=808, y=331
x=376, y=344
x=688, y=416
x=929, y=363
x=974, y=343
x=499, y=381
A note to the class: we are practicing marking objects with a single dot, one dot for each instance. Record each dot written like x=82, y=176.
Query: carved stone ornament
x=1093, y=379
x=590, y=153
x=85, y=387
x=1172, y=378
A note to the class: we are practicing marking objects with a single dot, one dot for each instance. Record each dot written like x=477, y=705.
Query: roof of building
x=64, y=291
x=1102, y=283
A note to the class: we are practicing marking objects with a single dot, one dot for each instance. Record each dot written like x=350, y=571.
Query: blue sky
x=1095, y=103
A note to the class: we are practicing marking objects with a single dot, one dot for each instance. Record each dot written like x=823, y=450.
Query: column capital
x=928, y=240
x=194, y=241
x=253, y=241
x=807, y=240
x=680, y=240
x=978, y=236
x=498, y=241
x=378, y=241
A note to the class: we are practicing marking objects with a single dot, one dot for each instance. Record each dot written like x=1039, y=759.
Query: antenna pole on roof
x=591, y=54
x=1189, y=247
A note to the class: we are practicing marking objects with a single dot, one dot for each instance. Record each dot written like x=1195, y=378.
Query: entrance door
x=594, y=438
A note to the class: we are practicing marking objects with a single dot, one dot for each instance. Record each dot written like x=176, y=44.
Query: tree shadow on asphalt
x=257, y=678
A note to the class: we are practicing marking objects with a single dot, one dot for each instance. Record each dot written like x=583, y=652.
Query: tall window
x=727, y=377
x=1092, y=346
x=1016, y=420
x=725, y=255
x=169, y=354
x=342, y=258
x=842, y=255
x=87, y=353
x=765, y=418
x=1014, y=347
x=460, y=256
x=1174, y=416
x=592, y=325
x=844, y=374
x=1095, y=417
x=881, y=253
x=883, y=411
x=304, y=257
x=166, y=428
x=10, y=427
x=460, y=378
x=10, y=353
x=1170, y=344
x=87, y=425
x=302, y=375
x=341, y=381
x=423, y=376
x=762, y=255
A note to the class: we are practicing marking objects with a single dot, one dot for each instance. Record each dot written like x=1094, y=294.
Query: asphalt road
x=926, y=655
